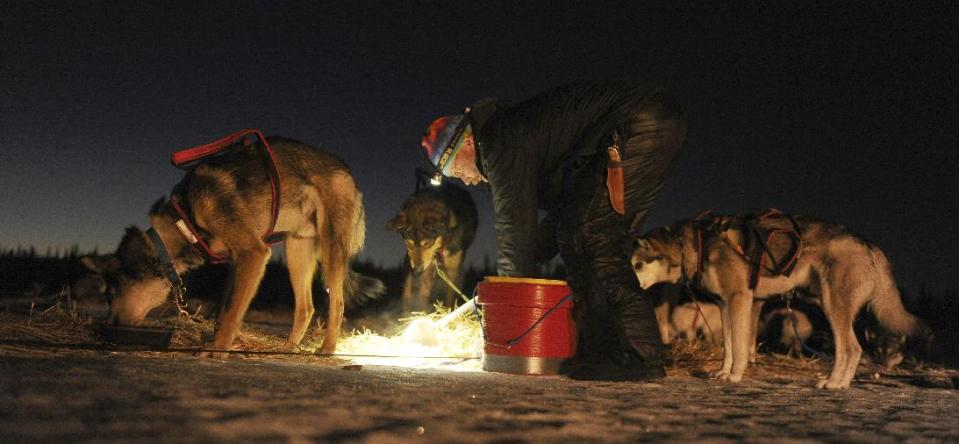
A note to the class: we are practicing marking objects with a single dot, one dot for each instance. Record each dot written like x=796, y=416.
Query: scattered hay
x=25, y=323
x=57, y=321
x=460, y=346
x=697, y=358
x=197, y=334
x=686, y=357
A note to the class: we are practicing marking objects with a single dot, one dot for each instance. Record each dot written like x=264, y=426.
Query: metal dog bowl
x=132, y=336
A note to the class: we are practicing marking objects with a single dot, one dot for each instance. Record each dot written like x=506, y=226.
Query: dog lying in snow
x=791, y=330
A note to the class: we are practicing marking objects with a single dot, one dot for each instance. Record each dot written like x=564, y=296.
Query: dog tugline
x=593, y=155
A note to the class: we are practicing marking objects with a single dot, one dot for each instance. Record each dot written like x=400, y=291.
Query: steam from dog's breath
x=426, y=341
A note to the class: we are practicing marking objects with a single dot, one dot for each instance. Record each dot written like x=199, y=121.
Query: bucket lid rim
x=522, y=280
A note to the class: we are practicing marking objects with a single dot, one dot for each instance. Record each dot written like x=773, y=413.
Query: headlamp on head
x=442, y=141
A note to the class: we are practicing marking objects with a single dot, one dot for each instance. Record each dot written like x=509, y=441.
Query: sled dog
x=665, y=298
x=843, y=270
x=228, y=198
x=438, y=224
x=687, y=322
x=789, y=328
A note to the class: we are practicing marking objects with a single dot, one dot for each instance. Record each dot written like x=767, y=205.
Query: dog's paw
x=729, y=377
x=720, y=374
x=831, y=385
x=327, y=349
x=288, y=347
x=219, y=356
x=210, y=352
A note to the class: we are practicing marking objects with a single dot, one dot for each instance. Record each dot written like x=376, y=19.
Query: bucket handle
x=510, y=343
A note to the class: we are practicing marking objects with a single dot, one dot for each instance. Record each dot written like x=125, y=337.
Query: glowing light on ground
x=423, y=343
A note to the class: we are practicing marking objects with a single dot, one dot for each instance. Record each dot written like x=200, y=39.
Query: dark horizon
x=840, y=112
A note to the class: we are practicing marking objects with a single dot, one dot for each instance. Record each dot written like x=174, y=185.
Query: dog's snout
x=420, y=267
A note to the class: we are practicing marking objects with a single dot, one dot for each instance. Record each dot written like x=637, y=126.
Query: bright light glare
x=421, y=345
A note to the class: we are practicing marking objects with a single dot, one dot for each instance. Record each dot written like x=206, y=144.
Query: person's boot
x=592, y=347
x=613, y=363
x=641, y=332
x=603, y=353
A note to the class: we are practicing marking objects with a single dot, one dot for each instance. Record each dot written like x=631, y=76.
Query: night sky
x=848, y=113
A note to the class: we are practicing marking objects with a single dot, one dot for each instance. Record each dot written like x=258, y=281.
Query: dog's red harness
x=183, y=158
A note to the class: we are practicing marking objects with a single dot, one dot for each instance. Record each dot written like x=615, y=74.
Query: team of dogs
x=321, y=220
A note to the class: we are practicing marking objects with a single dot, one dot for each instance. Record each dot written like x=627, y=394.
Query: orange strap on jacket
x=614, y=180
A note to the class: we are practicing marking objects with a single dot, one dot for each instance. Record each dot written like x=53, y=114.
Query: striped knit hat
x=442, y=140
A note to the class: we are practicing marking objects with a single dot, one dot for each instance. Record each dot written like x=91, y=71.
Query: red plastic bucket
x=528, y=324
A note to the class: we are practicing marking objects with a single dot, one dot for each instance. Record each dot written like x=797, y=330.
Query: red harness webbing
x=699, y=239
x=182, y=158
x=696, y=320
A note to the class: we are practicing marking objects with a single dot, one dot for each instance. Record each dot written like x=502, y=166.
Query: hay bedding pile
x=65, y=323
x=24, y=330
x=38, y=328
x=25, y=323
x=699, y=358
x=62, y=325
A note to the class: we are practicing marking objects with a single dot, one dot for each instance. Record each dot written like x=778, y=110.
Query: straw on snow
x=459, y=345
x=64, y=323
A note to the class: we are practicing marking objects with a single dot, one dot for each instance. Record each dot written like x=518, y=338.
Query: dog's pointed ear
x=397, y=223
x=159, y=206
x=106, y=263
x=134, y=246
x=642, y=244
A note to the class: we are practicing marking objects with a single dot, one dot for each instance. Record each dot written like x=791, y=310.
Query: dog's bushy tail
x=358, y=234
x=886, y=303
x=361, y=290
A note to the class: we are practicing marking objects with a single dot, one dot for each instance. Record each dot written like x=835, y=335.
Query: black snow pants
x=614, y=315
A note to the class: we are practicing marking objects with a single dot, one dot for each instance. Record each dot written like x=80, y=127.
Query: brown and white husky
x=228, y=199
x=438, y=224
x=843, y=270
